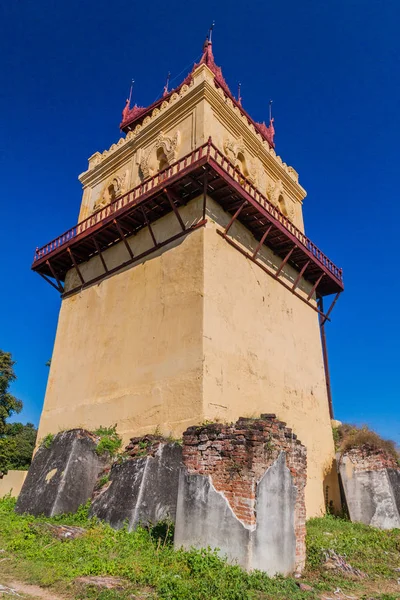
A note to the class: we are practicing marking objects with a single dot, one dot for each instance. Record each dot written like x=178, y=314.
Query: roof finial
x=130, y=92
x=210, y=32
x=166, y=84
x=239, y=98
x=127, y=106
x=271, y=128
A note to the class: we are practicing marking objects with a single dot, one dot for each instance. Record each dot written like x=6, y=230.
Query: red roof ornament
x=208, y=59
x=131, y=114
x=135, y=115
x=267, y=132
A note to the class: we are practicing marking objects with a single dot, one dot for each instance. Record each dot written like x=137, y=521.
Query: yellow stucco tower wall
x=194, y=331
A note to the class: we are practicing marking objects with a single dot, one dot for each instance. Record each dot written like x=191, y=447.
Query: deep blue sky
x=332, y=69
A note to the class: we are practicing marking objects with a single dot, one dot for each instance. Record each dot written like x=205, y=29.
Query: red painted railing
x=248, y=187
x=163, y=178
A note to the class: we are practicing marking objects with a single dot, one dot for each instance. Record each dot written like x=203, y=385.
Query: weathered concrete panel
x=370, y=495
x=61, y=477
x=141, y=490
x=394, y=478
x=274, y=538
x=205, y=518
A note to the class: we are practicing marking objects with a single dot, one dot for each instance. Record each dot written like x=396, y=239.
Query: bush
x=349, y=436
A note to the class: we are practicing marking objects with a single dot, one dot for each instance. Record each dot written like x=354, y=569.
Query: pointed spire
x=271, y=123
x=210, y=32
x=127, y=106
x=239, y=98
x=268, y=131
x=208, y=59
x=165, y=92
x=130, y=92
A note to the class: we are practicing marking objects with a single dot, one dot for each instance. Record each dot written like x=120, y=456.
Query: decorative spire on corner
x=271, y=123
x=239, y=98
x=210, y=32
x=208, y=59
x=129, y=114
x=207, y=47
x=268, y=131
x=165, y=92
x=128, y=102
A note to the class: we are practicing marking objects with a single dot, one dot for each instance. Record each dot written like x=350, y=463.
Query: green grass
x=154, y=570
x=371, y=550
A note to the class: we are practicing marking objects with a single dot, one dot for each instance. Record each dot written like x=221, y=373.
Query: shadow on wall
x=331, y=486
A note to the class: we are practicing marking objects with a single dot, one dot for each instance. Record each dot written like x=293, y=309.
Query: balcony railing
x=205, y=153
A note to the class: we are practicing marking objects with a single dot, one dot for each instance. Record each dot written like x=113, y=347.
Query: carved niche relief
x=161, y=155
x=114, y=187
x=277, y=196
x=237, y=154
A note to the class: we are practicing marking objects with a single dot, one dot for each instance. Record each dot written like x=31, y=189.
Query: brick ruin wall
x=368, y=458
x=236, y=457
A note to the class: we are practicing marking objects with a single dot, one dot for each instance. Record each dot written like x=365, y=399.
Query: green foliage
x=8, y=403
x=17, y=441
x=103, y=480
x=16, y=446
x=336, y=437
x=371, y=550
x=148, y=562
x=349, y=436
x=110, y=442
x=145, y=558
x=47, y=441
x=163, y=533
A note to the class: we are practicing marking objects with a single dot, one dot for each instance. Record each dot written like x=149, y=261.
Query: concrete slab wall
x=62, y=476
x=12, y=483
x=371, y=485
x=141, y=490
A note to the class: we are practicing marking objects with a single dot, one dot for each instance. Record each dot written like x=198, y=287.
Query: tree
x=15, y=439
x=16, y=446
x=8, y=403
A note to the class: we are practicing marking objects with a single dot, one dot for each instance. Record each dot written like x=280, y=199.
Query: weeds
x=110, y=442
x=148, y=562
x=145, y=558
x=103, y=480
x=347, y=437
x=368, y=549
x=47, y=441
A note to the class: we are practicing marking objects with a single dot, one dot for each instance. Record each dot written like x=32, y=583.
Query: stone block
x=61, y=477
x=142, y=489
x=371, y=485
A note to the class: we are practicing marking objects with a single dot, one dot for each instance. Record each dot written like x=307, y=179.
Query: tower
x=189, y=289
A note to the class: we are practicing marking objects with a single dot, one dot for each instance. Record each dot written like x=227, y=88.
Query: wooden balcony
x=205, y=171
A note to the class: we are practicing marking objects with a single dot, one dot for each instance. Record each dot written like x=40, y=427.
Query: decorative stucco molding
x=238, y=155
x=98, y=157
x=115, y=186
x=149, y=163
x=277, y=196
